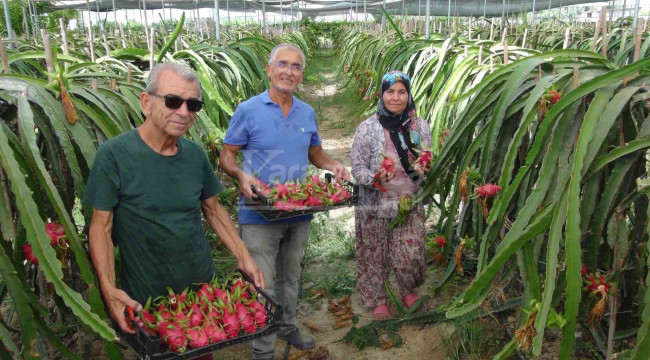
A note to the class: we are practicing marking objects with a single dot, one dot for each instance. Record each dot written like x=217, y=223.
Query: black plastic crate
x=152, y=348
x=264, y=206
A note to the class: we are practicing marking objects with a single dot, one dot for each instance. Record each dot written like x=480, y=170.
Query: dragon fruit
x=230, y=324
x=554, y=96
x=488, y=190
x=175, y=338
x=248, y=324
x=55, y=232
x=215, y=333
x=176, y=301
x=195, y=315
x=282, y=191
x=313, y=201
x=206, y=292
x=388, y=164
x=197, y=337
x=29, y=255
x=440, y=241
x=192, y=320
x=425, y=157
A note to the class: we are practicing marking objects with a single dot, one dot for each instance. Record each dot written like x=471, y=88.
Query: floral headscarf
x=400, y=125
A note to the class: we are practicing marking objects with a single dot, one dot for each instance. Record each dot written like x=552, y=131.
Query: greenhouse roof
x=323, y=7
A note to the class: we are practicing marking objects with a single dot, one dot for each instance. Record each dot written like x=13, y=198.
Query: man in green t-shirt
x=148, y=188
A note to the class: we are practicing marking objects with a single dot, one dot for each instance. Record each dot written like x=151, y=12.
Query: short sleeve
x=238, y=132
x=102, y=189
x=211, y=184
x=315, y=137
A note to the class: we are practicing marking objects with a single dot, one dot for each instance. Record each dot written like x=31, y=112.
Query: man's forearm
x=103, y=256
x=222, y=224
x=228, y=162
x=320, y=159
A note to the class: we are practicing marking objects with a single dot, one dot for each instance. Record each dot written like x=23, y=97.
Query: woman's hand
x=385, y=177
x=422, y=170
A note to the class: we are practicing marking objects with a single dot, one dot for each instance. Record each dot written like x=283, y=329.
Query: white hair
x=182, y=70
x=286, y=46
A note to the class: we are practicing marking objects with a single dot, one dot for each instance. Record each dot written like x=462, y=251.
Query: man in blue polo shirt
x=277, y=135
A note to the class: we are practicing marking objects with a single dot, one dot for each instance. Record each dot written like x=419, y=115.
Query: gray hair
x=182, y=70
x=286, y=46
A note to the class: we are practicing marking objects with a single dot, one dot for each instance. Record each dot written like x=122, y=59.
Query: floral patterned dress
x=380, y=250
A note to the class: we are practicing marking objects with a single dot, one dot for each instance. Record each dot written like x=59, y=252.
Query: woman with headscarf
x=396, y=132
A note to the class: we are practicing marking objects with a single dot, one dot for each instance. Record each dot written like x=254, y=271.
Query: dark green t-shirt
x=157, y=217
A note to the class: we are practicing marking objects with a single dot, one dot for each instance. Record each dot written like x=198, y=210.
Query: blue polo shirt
x=274, y=148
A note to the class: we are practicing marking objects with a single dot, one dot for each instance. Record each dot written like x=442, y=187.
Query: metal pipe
x=25, y=22
x=365, y=15
x=264, y=29
x=10, y=30
x=448, y=15
x=216, y=20
x=636, y=15
x=533, y=21
x=427, y=22
x=114, y=13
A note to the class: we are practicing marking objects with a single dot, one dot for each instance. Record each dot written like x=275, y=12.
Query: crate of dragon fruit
x=196, y=323
x=282, y=201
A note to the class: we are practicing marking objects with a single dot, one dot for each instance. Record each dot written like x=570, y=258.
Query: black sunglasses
x=174, y=102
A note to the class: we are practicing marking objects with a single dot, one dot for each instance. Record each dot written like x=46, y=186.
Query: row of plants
x=53, y=119
x=561, y=137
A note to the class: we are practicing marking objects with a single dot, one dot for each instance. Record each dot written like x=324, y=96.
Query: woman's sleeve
x=360, y=156
x=425, y=133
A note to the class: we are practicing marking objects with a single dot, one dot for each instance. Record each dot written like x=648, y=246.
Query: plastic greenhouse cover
x=322, y=7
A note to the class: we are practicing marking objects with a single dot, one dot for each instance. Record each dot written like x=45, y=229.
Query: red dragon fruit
x=440, y=241
x=424, y=157
x=554, y=96
x=215, y=333
x=344, y=194
x=55, y=231
x=197, y=337
x=165, y=314
x=248, y=324
x=230, y=324
x=259, y=313
x=388, y=164
x=240, y=287
x=313, y=201
x=488, y=190
x=206, y=292
x=334, y=198
x=176, y=301
x=174, y=337
x=29, y=255
x=147, y=321
x=282, y=191
x=195, y=315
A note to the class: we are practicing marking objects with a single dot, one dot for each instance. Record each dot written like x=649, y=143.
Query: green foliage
x=564, y=166
x=16, y=16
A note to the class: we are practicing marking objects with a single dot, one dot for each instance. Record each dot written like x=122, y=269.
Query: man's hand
x=249, y=266
x=117, y=301
x=340, y=173
x=245, y=183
